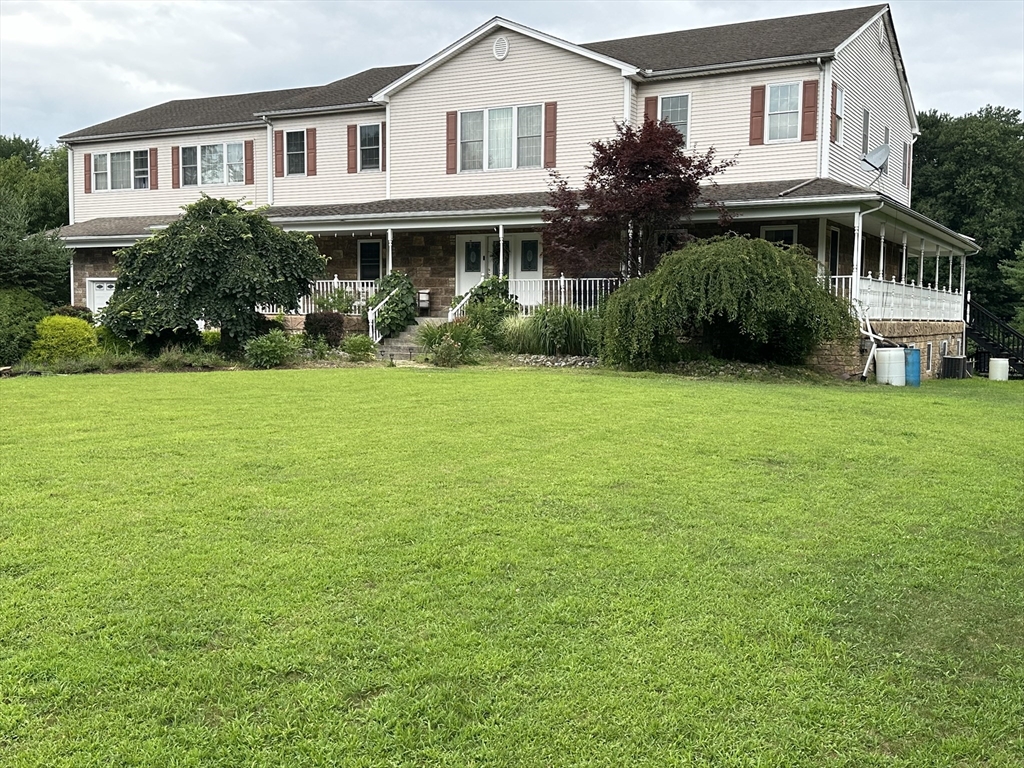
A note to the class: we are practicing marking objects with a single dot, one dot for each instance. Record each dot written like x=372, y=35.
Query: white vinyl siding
x=332, y=183
x=720, y=118
x=588, y=96
x=165, y=200
x=871, y=82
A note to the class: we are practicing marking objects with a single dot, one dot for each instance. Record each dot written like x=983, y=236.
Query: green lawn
x=376, y=567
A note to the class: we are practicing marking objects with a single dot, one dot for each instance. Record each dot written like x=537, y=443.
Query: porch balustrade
x=360, y=290
x=892, y=300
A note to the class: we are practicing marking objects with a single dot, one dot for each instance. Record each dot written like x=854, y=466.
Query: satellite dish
x=875, y=159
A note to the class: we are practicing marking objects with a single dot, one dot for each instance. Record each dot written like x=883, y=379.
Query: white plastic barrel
x=890, y=366
x=998, y=369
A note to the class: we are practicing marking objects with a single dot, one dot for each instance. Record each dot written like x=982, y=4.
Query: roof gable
x=750, y=41
x=484, y=29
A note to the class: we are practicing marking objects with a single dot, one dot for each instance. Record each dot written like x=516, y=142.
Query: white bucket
x=890, y=366
x=998, y=369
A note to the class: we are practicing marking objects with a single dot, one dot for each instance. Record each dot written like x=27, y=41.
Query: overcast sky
x=66, y=65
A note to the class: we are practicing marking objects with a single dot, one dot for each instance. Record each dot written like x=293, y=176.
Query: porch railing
x=360, y=290
x=583, y=293
x=890, y=300
x=371, y=318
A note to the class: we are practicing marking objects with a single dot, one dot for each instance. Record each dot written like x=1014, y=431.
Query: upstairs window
x=885, y=165
x=115, y=170
x=213, y=164
x=906, y=164
x=676, y=110
x=295, y=153
x=783, y=112
x=840, y=114
x=501, y=137
x=865, y=131
x=369, y=147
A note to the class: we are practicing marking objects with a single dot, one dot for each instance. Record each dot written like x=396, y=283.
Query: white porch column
x=501, y=250
x=391, y=241
x=903, y=265
x=949, y=283
x=858, y=224
x=881, y=253
x=822, y=247
x=920, y=265
x=936, y=266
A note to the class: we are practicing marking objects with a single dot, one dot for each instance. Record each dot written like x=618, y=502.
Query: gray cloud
x=66, y=65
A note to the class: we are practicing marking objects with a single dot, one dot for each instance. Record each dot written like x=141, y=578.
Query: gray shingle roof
x=139, y=226
x=190, y=113
x=356, y=89
x=734, y=43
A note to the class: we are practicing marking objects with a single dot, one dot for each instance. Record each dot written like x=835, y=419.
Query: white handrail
x=459, y=310
x=371, y=318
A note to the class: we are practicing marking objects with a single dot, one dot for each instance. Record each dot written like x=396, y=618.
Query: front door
x=469, y=263
x=527, y=270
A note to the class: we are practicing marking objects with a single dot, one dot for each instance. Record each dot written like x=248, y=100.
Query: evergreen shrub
x=20, y=310
x=63, y=338
x=328, y=325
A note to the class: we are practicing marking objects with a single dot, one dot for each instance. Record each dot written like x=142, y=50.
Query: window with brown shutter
x=87, y=163
x=250, y=163
x=757, y=115
x=383, y=146
x=353, y=148
x=279, y=153
x=451, y=140
x=651, y=109
x=809, y=121
x=311, y=151
x=153, y=175
x=550, y=134
x=175, y=167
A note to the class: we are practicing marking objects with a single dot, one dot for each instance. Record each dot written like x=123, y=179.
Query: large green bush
x=19, y=312
x=272, y=349
x=737, y=297
x=451, y=344
x=359, y=347
x=63, y=338
x=400, y=310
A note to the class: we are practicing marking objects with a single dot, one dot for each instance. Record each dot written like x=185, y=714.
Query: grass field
x=509, y=567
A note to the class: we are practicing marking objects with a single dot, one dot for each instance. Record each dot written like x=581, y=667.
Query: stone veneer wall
x=90, y=263
x=847, y=360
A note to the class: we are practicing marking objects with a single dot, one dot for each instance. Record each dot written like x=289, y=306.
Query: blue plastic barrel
x=913, y=363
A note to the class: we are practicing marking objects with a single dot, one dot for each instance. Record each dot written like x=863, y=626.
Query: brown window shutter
x=383, y=146
x=757, y=115
x=809, y=128
x=154, y=175
x=175, y=167
x=279, y=153
x=550, y=134
x=834, y=126
x=353, y=148
x=87, y=162
x=250, y=164
x=651, y=109
x=311, y=151
x=452, y=142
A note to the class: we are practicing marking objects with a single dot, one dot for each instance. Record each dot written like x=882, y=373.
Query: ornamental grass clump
x=737, y=297
x=552, y=331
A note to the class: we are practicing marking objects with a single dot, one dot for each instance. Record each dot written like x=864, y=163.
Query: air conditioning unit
x=954, y=367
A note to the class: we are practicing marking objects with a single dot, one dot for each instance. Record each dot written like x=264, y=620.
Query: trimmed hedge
x=62, y=338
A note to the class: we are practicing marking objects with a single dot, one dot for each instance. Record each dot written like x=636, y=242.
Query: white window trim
x=768, y=113
x=689, y=112
x=359, y=148
x=515, y=138
x=791, y=227
x=305, y=152
x=131, y=172
x=199, y=165
x=359, y=255
x=841, y=115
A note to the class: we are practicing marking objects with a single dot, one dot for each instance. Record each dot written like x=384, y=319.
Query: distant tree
x=969, y=175
x=636, y=195
x=37, y=262
x=1013, y=276
x=217, y=263
x=39, y=176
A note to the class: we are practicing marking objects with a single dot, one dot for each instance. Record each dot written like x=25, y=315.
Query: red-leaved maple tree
x=638, y=191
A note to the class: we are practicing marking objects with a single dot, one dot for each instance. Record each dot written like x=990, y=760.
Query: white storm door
x=527, y=271
x=469, y=263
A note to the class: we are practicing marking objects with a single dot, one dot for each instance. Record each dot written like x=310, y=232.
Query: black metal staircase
x=994, y=338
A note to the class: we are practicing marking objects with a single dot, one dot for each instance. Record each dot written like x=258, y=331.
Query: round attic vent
x=501, y=48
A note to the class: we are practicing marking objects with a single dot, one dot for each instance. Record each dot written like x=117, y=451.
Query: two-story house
x=442, y=168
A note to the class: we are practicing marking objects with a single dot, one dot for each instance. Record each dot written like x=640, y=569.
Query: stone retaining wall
x=846, y=360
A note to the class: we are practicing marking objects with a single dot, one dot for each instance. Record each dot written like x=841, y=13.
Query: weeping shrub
x=738, y=297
